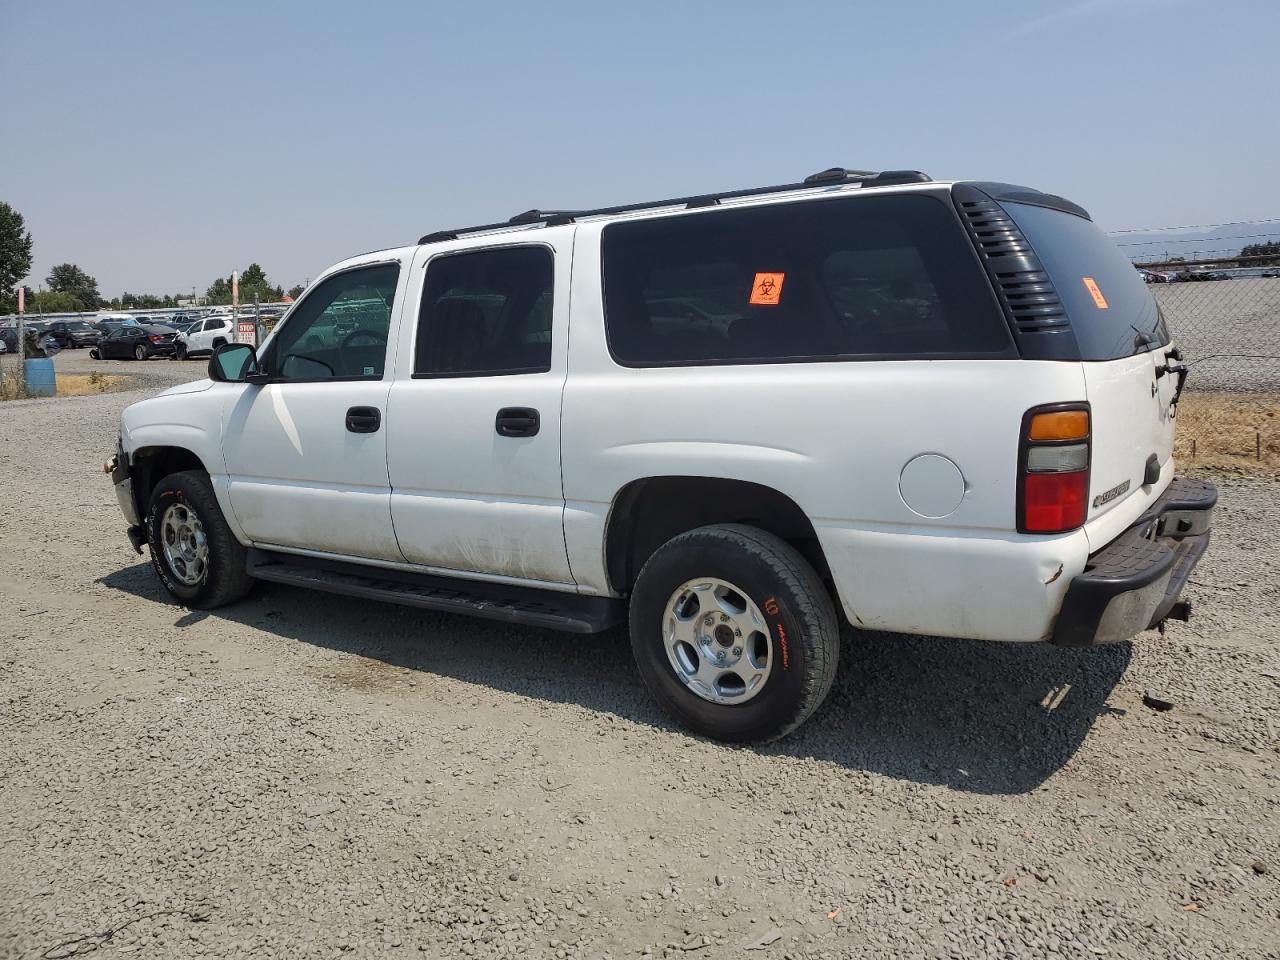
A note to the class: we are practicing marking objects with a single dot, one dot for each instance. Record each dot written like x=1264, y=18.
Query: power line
x=1192, y=226
x=1144, y=243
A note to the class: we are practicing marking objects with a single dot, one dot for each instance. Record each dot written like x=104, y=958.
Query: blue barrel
x=41, y=380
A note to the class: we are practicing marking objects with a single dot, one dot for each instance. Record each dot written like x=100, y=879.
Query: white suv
x=205, y=336
x=735, y=419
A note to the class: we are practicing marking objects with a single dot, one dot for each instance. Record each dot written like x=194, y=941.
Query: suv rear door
x=1124, y=347
x=474, y=414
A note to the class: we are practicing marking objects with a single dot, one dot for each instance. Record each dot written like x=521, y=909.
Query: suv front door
x=306, y=452
x=474, y=426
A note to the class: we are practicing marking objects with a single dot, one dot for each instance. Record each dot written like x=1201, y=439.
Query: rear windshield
x=848, y=278
x=1112, y=312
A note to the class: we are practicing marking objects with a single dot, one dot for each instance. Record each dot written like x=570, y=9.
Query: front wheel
x=139, y=353
x=180, y=351
x=193, y=551
x=734, y=633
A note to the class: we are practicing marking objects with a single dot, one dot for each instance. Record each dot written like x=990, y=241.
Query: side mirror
x=234, y=363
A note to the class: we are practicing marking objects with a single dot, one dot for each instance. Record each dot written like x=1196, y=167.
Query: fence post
x=22, y=341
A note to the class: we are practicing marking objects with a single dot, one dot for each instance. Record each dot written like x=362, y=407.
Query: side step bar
x=529, y=606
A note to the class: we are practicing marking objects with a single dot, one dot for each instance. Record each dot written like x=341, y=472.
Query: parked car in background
x=73, y=333
x=115, y=318
x=205, y=337
x=137, y=342
x=38, y=339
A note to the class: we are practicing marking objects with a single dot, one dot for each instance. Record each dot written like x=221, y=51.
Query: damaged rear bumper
x=1135, y=581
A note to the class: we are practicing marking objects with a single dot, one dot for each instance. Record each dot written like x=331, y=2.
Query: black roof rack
x=830, y=177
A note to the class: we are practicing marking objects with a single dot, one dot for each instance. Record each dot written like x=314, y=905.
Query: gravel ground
x=306, y=776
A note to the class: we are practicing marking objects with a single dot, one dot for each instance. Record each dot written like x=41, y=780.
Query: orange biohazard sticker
x=1098, y=299
x=767, y=289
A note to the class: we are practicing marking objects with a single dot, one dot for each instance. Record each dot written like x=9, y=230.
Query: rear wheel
x=733, y=633
x=140, y=353
x=193, y=551
x=93, y=354
x=180, y=351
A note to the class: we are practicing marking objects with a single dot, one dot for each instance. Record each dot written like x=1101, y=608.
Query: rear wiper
x=1144, y=339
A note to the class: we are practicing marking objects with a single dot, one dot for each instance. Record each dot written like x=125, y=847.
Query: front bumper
x=122, y=479
x=1134, y=582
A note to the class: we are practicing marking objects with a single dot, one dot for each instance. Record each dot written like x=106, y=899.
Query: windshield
x=1112, y=312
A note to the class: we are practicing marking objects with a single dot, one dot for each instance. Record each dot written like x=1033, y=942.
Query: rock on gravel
x=307, y=776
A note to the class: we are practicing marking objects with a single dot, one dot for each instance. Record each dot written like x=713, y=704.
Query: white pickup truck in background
x=734, y=420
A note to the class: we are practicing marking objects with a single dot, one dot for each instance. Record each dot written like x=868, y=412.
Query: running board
x=528, y=606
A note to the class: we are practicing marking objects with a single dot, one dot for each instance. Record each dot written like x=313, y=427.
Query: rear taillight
x=1053, y=468
x=156, y=339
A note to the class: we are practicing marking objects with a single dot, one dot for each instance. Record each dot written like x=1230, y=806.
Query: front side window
x=847, y=278
x=340, y=331
x=486, y=313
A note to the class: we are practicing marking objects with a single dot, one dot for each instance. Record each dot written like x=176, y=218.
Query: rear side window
x=1112, y=312
x=486, y=313
x=869, y=277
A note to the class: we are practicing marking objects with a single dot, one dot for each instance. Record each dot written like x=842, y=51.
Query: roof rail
x=831, y=177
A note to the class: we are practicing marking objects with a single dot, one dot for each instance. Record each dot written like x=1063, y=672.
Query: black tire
x=93, y=354
x=224, y=580
x=180, y=351
x=799, y=612
x=140, y=353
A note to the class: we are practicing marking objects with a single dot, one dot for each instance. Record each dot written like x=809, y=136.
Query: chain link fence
x=1225, y=317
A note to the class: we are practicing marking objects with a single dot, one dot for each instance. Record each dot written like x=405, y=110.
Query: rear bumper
x=1134, y=582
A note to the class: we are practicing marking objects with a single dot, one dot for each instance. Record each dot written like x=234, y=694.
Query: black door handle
x=364, y=419
x=517, y=422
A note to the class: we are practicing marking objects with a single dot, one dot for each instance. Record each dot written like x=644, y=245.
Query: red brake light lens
x=1055, y=502
x=155, y=339
x=1054, y=458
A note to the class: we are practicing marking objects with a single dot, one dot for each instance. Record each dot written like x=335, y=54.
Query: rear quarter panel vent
x=1031, y=304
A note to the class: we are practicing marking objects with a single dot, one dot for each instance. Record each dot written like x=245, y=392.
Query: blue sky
x=159, y=145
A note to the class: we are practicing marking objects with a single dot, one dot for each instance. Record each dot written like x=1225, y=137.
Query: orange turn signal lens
x=1060, y=425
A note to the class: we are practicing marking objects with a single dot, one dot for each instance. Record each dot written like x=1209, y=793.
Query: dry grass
x=83, y=384
x=1238, y=430
x=69, y=384
x=9, y=388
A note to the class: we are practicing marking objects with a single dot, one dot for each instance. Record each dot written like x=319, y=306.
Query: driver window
x=340, y=330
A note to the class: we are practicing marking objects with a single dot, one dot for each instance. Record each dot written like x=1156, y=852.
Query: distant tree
x=219, y=292
x=253, y=280
x=69, y=278
x=296, y=291
x=54, y=301
x=15, y=255
x=1270, y=249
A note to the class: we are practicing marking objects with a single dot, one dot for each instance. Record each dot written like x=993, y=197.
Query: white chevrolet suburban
x=734, y=419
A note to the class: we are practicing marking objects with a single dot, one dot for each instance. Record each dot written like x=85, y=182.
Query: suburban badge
x=1108, y=495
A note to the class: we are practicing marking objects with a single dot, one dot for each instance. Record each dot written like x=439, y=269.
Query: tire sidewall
x=178, y=488
x=140, y=350
x=697, y=557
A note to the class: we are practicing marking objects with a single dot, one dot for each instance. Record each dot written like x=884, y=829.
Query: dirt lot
x=307, y=776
